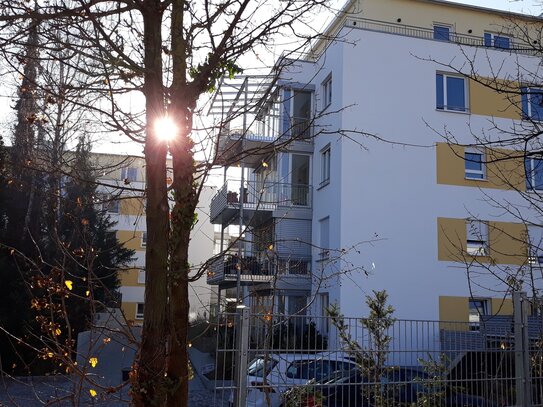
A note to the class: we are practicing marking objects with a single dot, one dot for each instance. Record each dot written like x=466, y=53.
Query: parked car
x=402, y=385
x=268, y=376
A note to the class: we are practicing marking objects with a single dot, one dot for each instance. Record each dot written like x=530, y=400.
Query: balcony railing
x=252, y=270
x=260, y=196
x=424, y=33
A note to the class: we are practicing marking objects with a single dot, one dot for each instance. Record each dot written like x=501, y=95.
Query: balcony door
x=301, y=114
x=300, y=175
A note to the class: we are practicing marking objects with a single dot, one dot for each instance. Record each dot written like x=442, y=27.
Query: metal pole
x=239, y=297
x=522, y=350
x=242, y=362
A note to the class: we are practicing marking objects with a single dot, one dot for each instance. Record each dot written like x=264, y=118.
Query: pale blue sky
x=519, y=6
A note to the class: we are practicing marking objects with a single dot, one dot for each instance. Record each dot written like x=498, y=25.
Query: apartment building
x=385, y=184
x=121, y=184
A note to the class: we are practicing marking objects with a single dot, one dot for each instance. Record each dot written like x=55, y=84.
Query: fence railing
x=252, y=269
x=264, y=196
x=274, y=359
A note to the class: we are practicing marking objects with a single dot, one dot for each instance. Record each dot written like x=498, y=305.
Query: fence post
x=243, y=354
x=522, y=350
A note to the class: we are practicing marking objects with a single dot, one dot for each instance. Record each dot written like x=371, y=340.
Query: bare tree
x=173, y=52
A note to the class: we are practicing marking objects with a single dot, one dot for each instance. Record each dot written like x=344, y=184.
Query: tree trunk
x=150, y=386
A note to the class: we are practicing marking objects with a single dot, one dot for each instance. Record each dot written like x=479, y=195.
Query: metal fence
x=299, y=360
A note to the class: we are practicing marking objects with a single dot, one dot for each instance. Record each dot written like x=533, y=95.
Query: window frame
x=481, y=172
x=109, y=204
x=139, y=315
x=449, y=27
x=141, y=276
x=143, y=242
x=484, y=308
x=479, y=245
x=526, y=94
x=326, y=159
x=444, y=107
x=129, y=174
x=489, y=40
x=327, y=91
x=531, y=174
x=324, y=238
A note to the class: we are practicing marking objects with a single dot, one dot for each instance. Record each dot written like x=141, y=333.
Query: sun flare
x=165, y=128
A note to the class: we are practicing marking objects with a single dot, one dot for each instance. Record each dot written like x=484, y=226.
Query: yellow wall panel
x=130, y=239
x=502, y=306
x=451, y=239
x=132, y=206
x=130, y=277
x=486, y=101
x=129, y=310
x=506, y=242
x=504, y=169
x=454, y=309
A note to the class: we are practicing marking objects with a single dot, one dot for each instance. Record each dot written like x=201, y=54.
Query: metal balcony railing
x=263, y=196
x=515, y=45
x=225, y=269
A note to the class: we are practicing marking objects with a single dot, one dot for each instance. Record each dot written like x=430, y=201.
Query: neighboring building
x=369, y=194
x=124, y=201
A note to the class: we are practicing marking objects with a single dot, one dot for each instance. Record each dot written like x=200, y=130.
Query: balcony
x=282, y=274
x=248, y=149
x=260, y=201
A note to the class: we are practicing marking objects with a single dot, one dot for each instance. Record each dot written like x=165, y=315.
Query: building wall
x=392, y=178
x=131, y=226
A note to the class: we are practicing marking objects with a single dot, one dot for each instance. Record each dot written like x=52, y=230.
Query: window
x=532, y=103
x=141, y=276
x=442, y=32
x=129, y=174
x=324, y=238
x=497, y=41
x=477, y=238
x=327, y=92
x=534, y=173
x=451, y=93
x=109, y=203
x=325, y=165
x=535, y=245
x=139, y=310
x=474, y=164
x=477, y=307
x=143, y=239
x=324, y=325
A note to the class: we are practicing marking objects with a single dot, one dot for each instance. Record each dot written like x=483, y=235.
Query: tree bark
x=149, y=386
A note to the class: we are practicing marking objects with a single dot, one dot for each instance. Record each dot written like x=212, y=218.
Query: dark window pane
x=456, y=96
x=441, y=33
x=440, y=99
x=501, y=42
x=488, y=40
x=536, y=104
x=474, y=161
x=538, y=173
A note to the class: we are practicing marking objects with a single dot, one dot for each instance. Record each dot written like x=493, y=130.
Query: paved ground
x=43, y=392
x=56, y=392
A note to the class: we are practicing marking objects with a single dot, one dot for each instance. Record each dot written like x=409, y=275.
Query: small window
x=144, y=239
x=474, y=164
x=442, y=32
x=534, y=173
x=477, y=308
x=139, y=310
x=324, y=238
x=477, y=238
x=535, y=245
x=451, y=93
x=532, y=103
x=109, y=203
x=497, y=41
x=327, y=92
x=129, y=174
x=141, y=276
x=325, y=165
